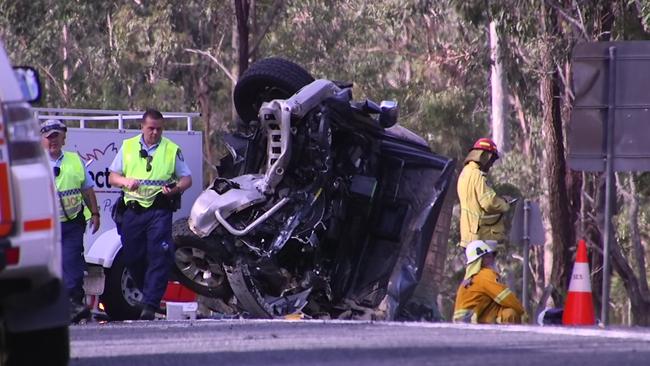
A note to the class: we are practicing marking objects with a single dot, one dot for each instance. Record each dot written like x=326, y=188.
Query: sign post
x=527, y=228
x=609, y=185
x=609, y=123
x=526, y=240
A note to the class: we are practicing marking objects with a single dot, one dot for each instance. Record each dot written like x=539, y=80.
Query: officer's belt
x=160, y=202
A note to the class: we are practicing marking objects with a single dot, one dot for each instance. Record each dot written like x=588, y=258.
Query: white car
x=34, y=308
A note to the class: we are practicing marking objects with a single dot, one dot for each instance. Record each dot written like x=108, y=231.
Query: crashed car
x=324, y=205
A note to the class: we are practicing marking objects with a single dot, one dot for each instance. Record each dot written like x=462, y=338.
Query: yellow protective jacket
x=486, y=300
x=481, y=210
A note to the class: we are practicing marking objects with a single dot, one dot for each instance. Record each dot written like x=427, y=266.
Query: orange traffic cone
x=579, y=307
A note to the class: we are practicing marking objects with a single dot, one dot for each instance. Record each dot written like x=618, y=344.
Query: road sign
x=609, y=123
x=535, y=233
x=527, y=228
x=630, y=104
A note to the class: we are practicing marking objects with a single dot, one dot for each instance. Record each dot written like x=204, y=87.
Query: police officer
x=74, y=187
x=152, y=173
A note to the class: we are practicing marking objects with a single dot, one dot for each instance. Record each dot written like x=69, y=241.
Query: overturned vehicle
x=324, y=205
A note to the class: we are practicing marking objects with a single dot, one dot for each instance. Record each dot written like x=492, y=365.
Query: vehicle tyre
x=122, y=296
x=198, y=263
x=38, y=347
x=267, y=79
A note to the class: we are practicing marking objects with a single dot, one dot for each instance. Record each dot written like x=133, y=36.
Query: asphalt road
x=268, y=343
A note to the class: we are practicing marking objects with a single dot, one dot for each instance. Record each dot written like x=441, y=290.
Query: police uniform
x=146, y=233
x=71, y=178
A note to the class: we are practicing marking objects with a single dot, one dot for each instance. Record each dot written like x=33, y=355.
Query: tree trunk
x=640, y=305
x=555, y=164
x=498, y=82
x=205, y=106
x=234, y=68
x=636, y=284
x=66, y=67
x=526, y=136
x=639, y=251
x=254, y=29
x=242, y=11
x=593, y=229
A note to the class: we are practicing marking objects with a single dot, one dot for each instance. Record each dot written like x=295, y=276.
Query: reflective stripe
x=6, y=212
x=68, y=185
x=37, y=225
x=492, y=216
x=147, y=188
x=158, y=183
x=501, y=296
x=69, y=192
x=483, y=218
x=152, y=174
x=465, y=316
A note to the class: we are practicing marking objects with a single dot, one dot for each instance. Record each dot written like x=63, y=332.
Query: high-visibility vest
x=68, y=185
x=134, y=166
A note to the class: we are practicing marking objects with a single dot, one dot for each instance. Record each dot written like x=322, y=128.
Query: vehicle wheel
x=39, y=347
x=265, y=80
x=122, y=296
x=198, y=263
x=256, y=288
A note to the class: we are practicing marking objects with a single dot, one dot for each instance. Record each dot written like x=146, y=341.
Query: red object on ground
x=176, y=292
x=579, y=307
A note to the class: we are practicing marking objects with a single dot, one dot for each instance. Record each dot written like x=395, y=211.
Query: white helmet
x=477, y=249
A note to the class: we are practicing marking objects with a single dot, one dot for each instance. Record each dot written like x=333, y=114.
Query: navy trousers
x=74, y=264
x=148, y=250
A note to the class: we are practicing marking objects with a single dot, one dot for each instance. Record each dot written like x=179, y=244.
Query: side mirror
x=29, y=83
x=389, y=113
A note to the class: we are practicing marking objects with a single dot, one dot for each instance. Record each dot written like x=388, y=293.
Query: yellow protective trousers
x=487, y=301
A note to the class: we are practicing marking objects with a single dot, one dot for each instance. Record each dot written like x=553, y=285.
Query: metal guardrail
x=119, y=116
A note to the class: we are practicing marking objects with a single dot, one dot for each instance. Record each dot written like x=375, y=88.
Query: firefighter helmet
x=477, y=249
x=486, y=144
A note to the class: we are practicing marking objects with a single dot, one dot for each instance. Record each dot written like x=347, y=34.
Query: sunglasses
x=145, y=155
x=53, y=127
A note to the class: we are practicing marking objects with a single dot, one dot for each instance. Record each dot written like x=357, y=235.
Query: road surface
x=269, y=343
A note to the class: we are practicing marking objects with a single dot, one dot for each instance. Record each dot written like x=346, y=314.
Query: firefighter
x=483, y=298
x=481, y=210
x=74, y=188
x=152, y=173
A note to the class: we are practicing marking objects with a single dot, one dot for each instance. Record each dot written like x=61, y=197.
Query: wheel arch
x=104, y=249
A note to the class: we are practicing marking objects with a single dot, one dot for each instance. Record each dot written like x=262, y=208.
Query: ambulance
x=34, y=309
